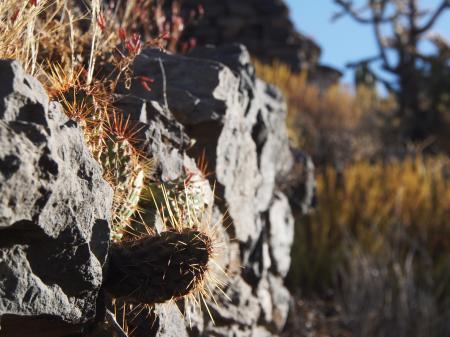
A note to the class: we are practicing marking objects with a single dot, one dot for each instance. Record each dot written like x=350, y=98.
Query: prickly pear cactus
x=158, y=268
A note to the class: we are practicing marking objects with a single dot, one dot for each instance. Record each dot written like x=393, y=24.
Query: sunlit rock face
x=54, y=211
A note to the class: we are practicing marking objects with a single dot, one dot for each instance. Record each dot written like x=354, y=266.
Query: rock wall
x=214, y=99
x=265, y=28
x=206, y=102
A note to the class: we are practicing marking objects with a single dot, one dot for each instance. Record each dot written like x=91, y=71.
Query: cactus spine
x=158, y=268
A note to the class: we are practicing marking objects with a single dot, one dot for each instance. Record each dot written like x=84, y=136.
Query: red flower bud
x=122, y=34
x=201, y=10
x=101, y=21
x=145, y=82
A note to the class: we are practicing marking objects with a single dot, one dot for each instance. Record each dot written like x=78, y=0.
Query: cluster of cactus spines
x=178, y=262
x=188, y=211
x=128, y=180
x=112, y=140
x=159, y=268
x=187, y=197
x=127, y=169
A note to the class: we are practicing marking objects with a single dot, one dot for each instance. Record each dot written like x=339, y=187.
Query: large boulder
x=237, y=119
x=238, y=122
x=54, y=212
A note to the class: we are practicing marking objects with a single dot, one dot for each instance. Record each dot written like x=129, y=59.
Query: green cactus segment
x=125, y=173
x=158, y=268
x=193, y=196
x=187, y=198
x=105, y=132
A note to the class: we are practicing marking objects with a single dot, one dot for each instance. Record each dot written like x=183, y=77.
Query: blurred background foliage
x=334, y=124
x=378, y=243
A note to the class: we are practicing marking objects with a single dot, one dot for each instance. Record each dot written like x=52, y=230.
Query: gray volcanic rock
x=170, y=322
x=163, y=138
x=300, y=183
x=195, y=91
x=242, y=308
x=202, y=94
x=238, y=121
x=281, y=233
x=281, y=300
x=54, y=208
x=264, y=27
x=261, y=332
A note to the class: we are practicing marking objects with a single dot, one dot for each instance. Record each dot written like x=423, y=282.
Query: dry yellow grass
x=379, y=240
x=19, y=31
x=402, y=205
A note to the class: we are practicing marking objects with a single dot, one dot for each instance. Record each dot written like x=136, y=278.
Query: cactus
x=188, y=197
x=179, y=262
x=123, y=170
x=158, y=268
x=111, y=140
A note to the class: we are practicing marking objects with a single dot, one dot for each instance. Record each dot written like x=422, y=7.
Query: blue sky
x=344, y=40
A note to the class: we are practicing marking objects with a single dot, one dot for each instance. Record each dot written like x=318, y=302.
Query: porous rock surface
x=214, y=104
x=54, y=212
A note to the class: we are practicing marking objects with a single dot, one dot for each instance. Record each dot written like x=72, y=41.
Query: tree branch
x=376, y=17
x=366, y=60
x=388, y=85
x=348, y=8
x=444, y=5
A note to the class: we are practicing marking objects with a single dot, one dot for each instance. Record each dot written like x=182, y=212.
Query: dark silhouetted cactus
x=158, y=268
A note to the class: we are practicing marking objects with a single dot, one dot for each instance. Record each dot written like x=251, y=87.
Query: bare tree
x=398, y=26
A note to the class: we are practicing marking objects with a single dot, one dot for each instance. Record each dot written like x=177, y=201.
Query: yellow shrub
x=378, y=207
x=332, y=124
